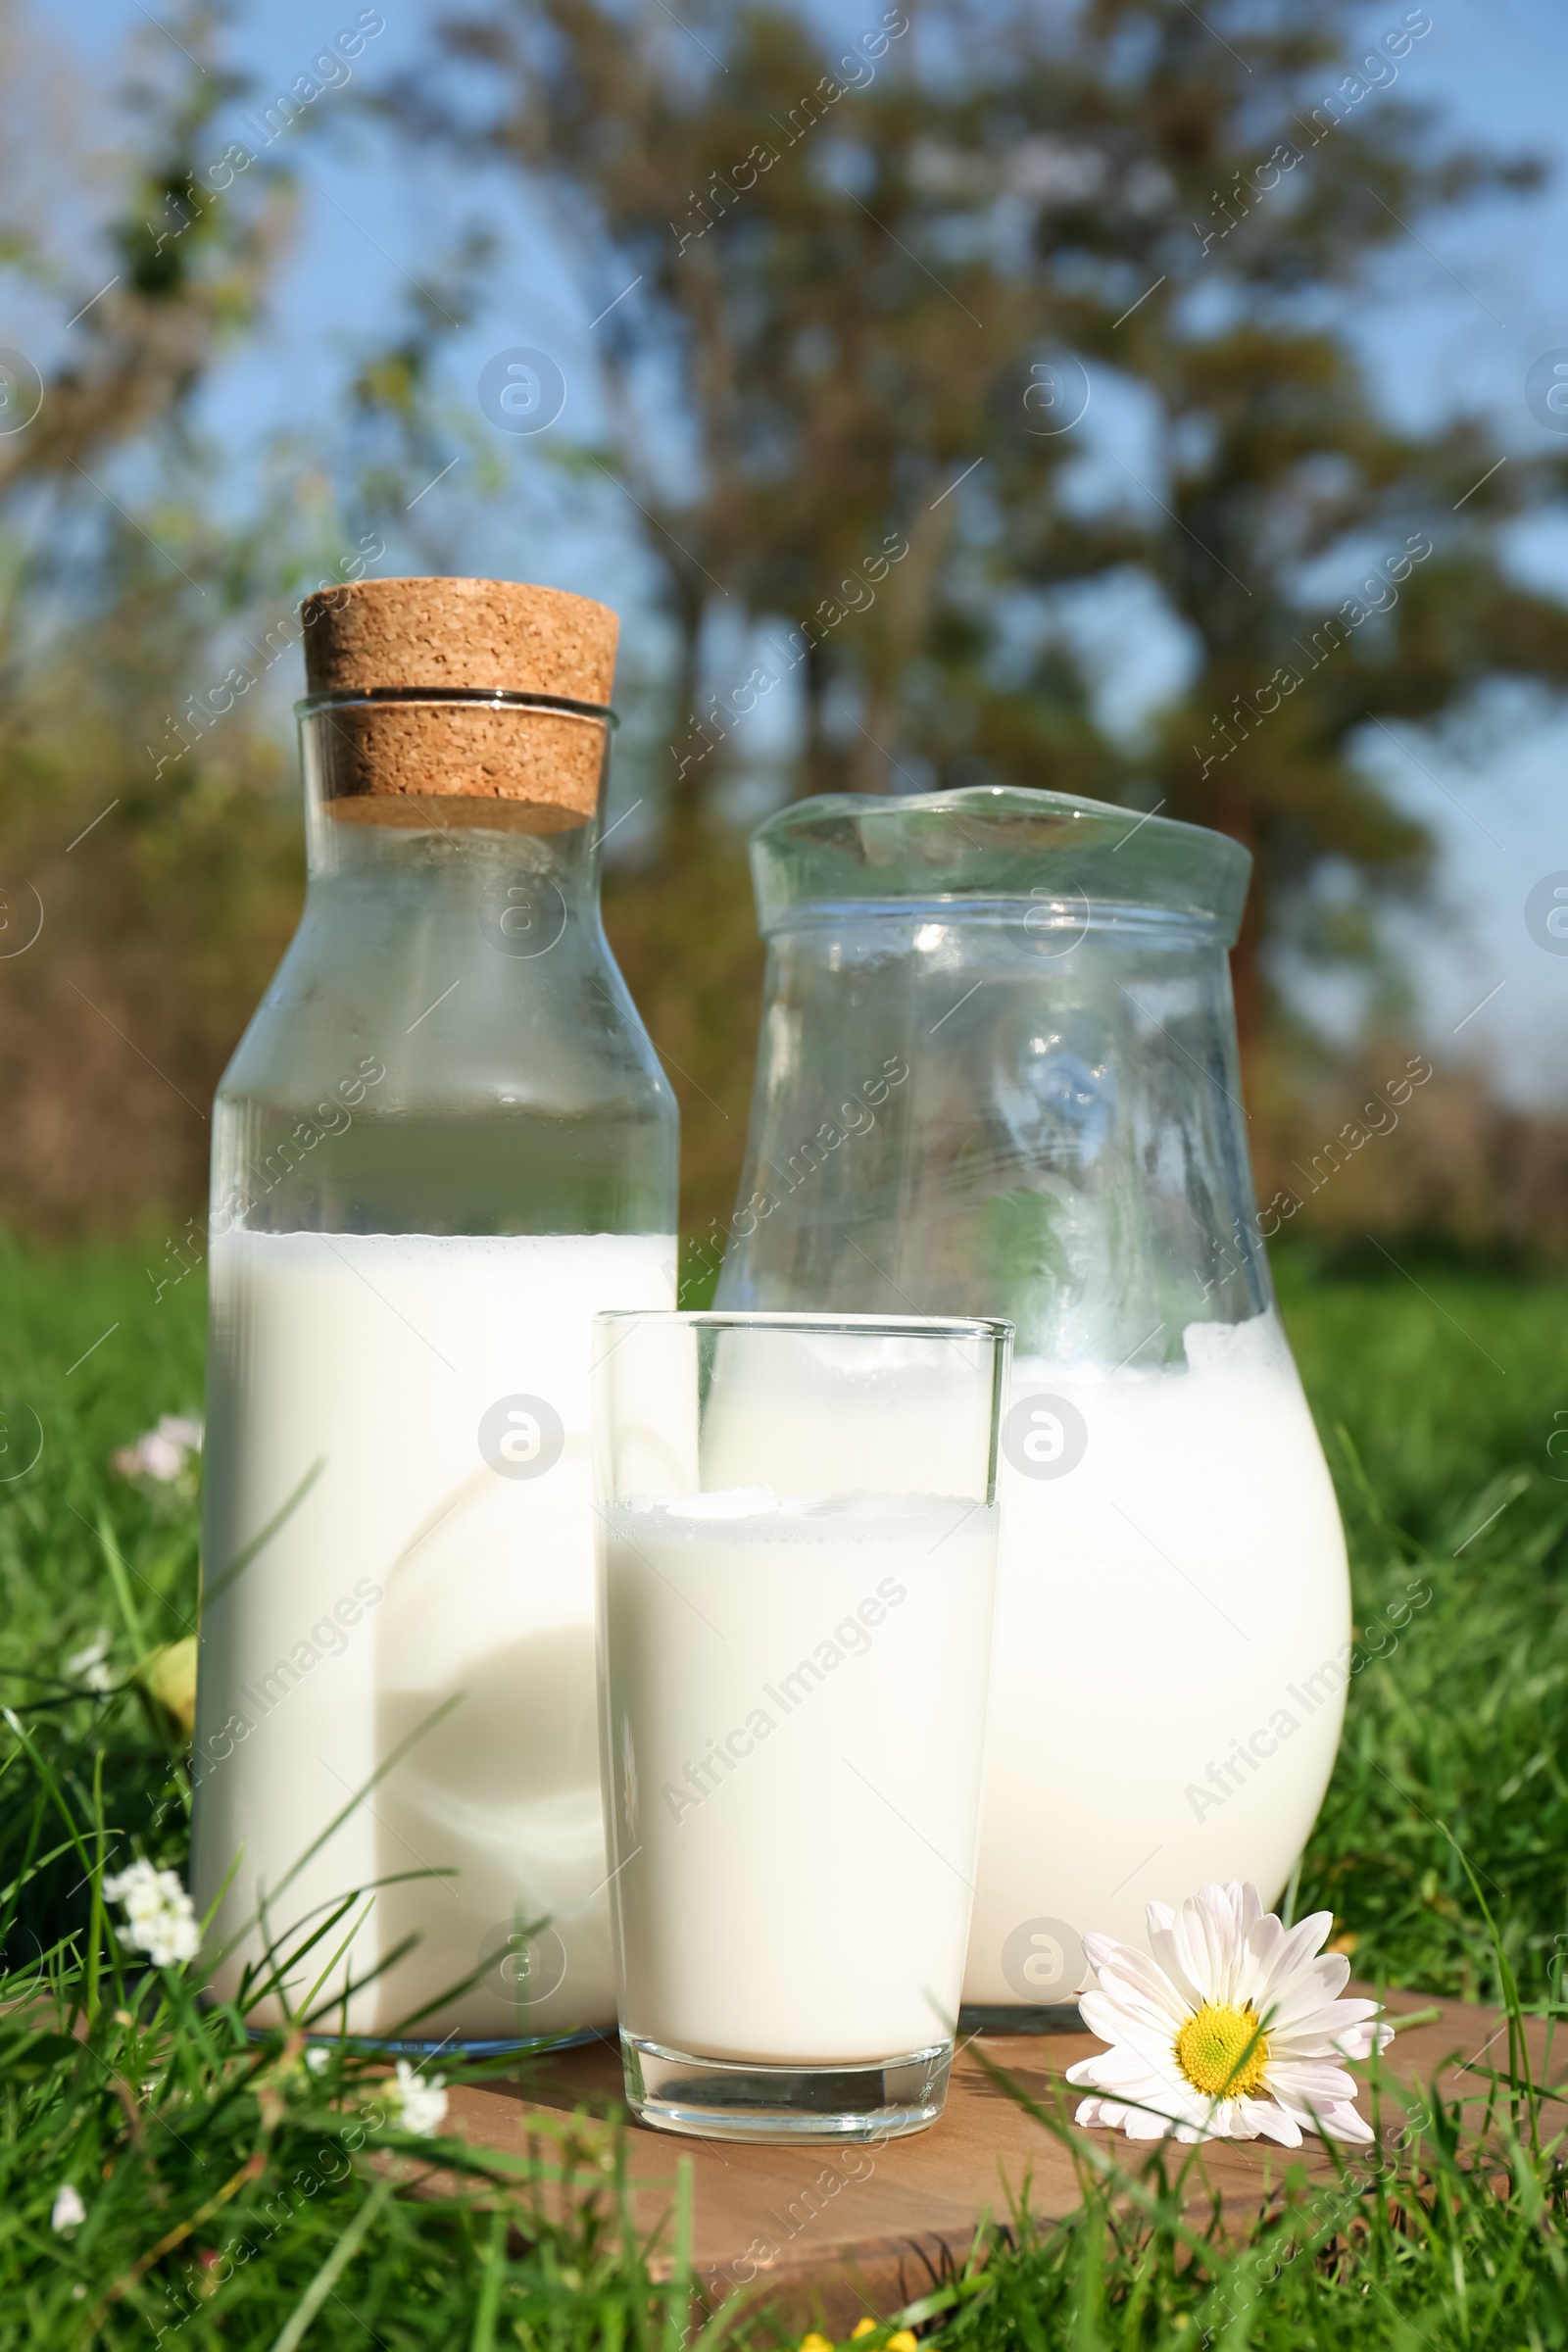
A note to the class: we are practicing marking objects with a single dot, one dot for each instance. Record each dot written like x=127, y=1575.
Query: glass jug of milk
x=442, y=1145
x=997, y=1076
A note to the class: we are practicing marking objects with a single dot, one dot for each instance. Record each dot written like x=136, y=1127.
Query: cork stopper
x=407, y=763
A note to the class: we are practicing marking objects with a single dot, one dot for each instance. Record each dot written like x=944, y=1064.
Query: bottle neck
x=521, y=869
x=507, y=879
x=450, y=1018
x=455, y=780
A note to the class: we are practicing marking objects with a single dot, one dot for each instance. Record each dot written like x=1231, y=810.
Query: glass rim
x=980, y=844
x=1015, y=912
x=819, y=1321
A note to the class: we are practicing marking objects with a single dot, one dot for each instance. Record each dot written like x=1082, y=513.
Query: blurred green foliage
x=851, y=284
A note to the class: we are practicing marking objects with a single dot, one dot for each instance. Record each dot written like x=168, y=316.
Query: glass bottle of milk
x=997, y=1076
x=442, y=1145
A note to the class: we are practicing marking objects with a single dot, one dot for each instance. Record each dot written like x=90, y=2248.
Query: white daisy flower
x=1232, y=2032
x=160, y=1917
x=419, y=2106
x=68, y=2212
x=91, y=1665
x=160, y=1454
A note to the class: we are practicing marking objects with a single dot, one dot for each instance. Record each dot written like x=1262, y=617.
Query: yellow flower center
x=1223, y=2051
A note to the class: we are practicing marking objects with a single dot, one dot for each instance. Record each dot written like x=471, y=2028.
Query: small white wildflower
x=160, y=1917
x=160, y=1454
x=319, y=2057
x=69, y=2210
x=420, y=2106
x=90, y=1666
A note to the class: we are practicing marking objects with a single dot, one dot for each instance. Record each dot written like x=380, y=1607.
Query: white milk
x=1172, y=1632
x=794, y=1716
x=411, y=1573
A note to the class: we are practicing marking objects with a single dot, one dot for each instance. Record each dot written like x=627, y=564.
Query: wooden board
x=827, y=2234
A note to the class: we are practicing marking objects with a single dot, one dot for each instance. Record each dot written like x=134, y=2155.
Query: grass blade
x=292, y=2334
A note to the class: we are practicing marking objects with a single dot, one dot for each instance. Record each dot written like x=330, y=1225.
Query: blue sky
x=1456, y=322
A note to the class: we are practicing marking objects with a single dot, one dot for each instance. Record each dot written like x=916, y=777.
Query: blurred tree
x=1243, y=181
x=849, y=298
x=148, y=809
x=795, y=393
x=150, y=864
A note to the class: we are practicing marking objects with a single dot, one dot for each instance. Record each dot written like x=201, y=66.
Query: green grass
x=235, y=2198
x=1436, y=1406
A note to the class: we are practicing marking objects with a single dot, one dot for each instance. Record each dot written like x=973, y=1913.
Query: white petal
x=1129, y=2069
x=1310, y=1935
x=1355, y=2011
x=1264, y=1940
x=68, y=2212
x=1233, y=1916
x=1151, y=2118
x=1282, y=1960
x=1302, y=1943
x=1209, y=1922
x=1125, y=1960
x=1308, y=2086
x=1209, y=1938
x=1168, y=1959
x=1197, y=1956
x=1234, y=2120
x=1359, y=2038
x=1325, y=1977
x=1118, y=2069
x=1315, y=2036
x=1338, y=2120
x=1138, y=2125
x=1214, y=2118
x=1143, y=1988
x=1113, y=2010
x=1270, y=2121
x=1302, y=1997
x=1144, y=2108
x=1103, y=2016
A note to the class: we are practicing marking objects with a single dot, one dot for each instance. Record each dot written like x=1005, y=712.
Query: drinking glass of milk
x=443, y=1144
x=797, y=1550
